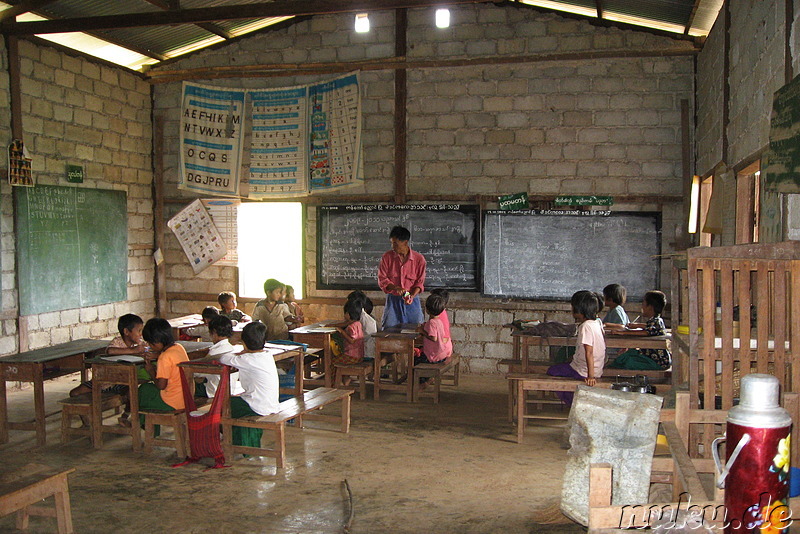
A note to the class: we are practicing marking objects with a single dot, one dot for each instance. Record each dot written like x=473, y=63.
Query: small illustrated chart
x=335, y=132
x=224, y=213
x=199, y=238
x=278, y=146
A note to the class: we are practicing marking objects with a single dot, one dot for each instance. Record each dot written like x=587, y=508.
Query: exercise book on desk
x=130, y=358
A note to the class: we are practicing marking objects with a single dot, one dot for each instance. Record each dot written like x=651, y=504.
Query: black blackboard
x=352, y=239
x=550, y=255
x=72, y=247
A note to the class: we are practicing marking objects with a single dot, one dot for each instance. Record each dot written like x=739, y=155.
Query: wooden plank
x=726, y=354
x=708, y=353
x=694, y=341
x=685, y=471
x=794, y=327
x=764, y=317
x=780, y=303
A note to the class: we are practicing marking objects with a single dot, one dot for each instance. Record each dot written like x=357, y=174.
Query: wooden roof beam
x=599, y=5
x=23, y=7
x=691, y=17
x=285, y=8
x=174, y=5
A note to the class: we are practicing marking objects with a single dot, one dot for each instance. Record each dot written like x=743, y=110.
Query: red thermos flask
x=756, y=474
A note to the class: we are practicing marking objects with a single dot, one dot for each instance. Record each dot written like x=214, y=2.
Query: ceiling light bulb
x=362, y=23
x=443, y=18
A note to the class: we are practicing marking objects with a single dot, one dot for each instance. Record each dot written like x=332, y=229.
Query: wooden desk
x=107, y=372
x=182, y=323
x=318, y=336
x=196, y=349
x=278, y=352
x=523, y=341
x=36, y=366
x=401, y=344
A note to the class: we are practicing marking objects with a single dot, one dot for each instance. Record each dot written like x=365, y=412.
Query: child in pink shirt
x=436, y=343
x=353, y=334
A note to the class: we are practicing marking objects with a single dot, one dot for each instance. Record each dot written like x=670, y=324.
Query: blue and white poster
x=335, y=132
x=278, y=143
x=211, y=139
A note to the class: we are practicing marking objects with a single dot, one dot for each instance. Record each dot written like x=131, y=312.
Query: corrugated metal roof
x=169, y=40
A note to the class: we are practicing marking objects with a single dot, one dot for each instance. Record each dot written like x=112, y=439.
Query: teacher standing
x=401, y=275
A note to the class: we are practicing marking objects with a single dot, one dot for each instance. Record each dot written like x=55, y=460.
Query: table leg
x=133, y=397
x=376, y=374
x=3, y=412
x=63, y=509
x=38, y=403
x=299, y=360
x=520, y=411
x=410, y=372
x=97, y=415
x=328, y=361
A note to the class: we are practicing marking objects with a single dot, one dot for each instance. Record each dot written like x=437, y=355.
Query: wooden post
x=400, y=97
x=158, y=215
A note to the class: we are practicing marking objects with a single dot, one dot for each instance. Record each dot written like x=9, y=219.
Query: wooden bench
x=435, y=373
x=661, y=379
x=81, y=406
x=359, y=370
x=524, y=382
x=23, y=494
x=176, y=419
x=297, y=408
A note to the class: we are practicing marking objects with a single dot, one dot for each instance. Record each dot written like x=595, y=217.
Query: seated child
x=166, y=393
x=129, y=341
x=436, y=343
x=294, y=307
x=644, y=359
x=446, y=296
x=259, y=379
x=614, y=297
x=590, y=347
x=273, y=312
x=221, y=329
x=368, y=322
x=227, y=301
x=209, y=312
x=353, y=334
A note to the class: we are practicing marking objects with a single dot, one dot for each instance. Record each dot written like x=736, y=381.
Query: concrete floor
x=416, y=468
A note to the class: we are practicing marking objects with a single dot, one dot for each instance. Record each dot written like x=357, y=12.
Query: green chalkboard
x=72, y=247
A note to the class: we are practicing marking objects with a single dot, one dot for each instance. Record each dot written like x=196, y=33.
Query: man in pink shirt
x=401, y=275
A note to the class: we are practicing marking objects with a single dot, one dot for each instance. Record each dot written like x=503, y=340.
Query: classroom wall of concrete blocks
x=588, y=126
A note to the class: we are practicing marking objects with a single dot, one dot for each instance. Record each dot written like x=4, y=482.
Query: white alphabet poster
x=211, y=139
x=199, y=238
x=278, y=144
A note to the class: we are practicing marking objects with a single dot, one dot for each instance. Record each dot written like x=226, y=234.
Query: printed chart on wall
x=278, y=144
x=199, y=238
x=225, y=214
x=211, y=139
x=335, y=132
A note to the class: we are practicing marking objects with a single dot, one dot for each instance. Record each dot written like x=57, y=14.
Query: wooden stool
x=81, y=406
x=359, y=370
x=23, y=494
x=435, y=373
x=175, y=419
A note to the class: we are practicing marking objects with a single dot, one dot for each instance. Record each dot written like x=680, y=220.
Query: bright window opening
x=748, y=203
x=270, y=246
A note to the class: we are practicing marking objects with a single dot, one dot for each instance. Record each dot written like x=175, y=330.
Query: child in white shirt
x=259, y=378
x=221, y=329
